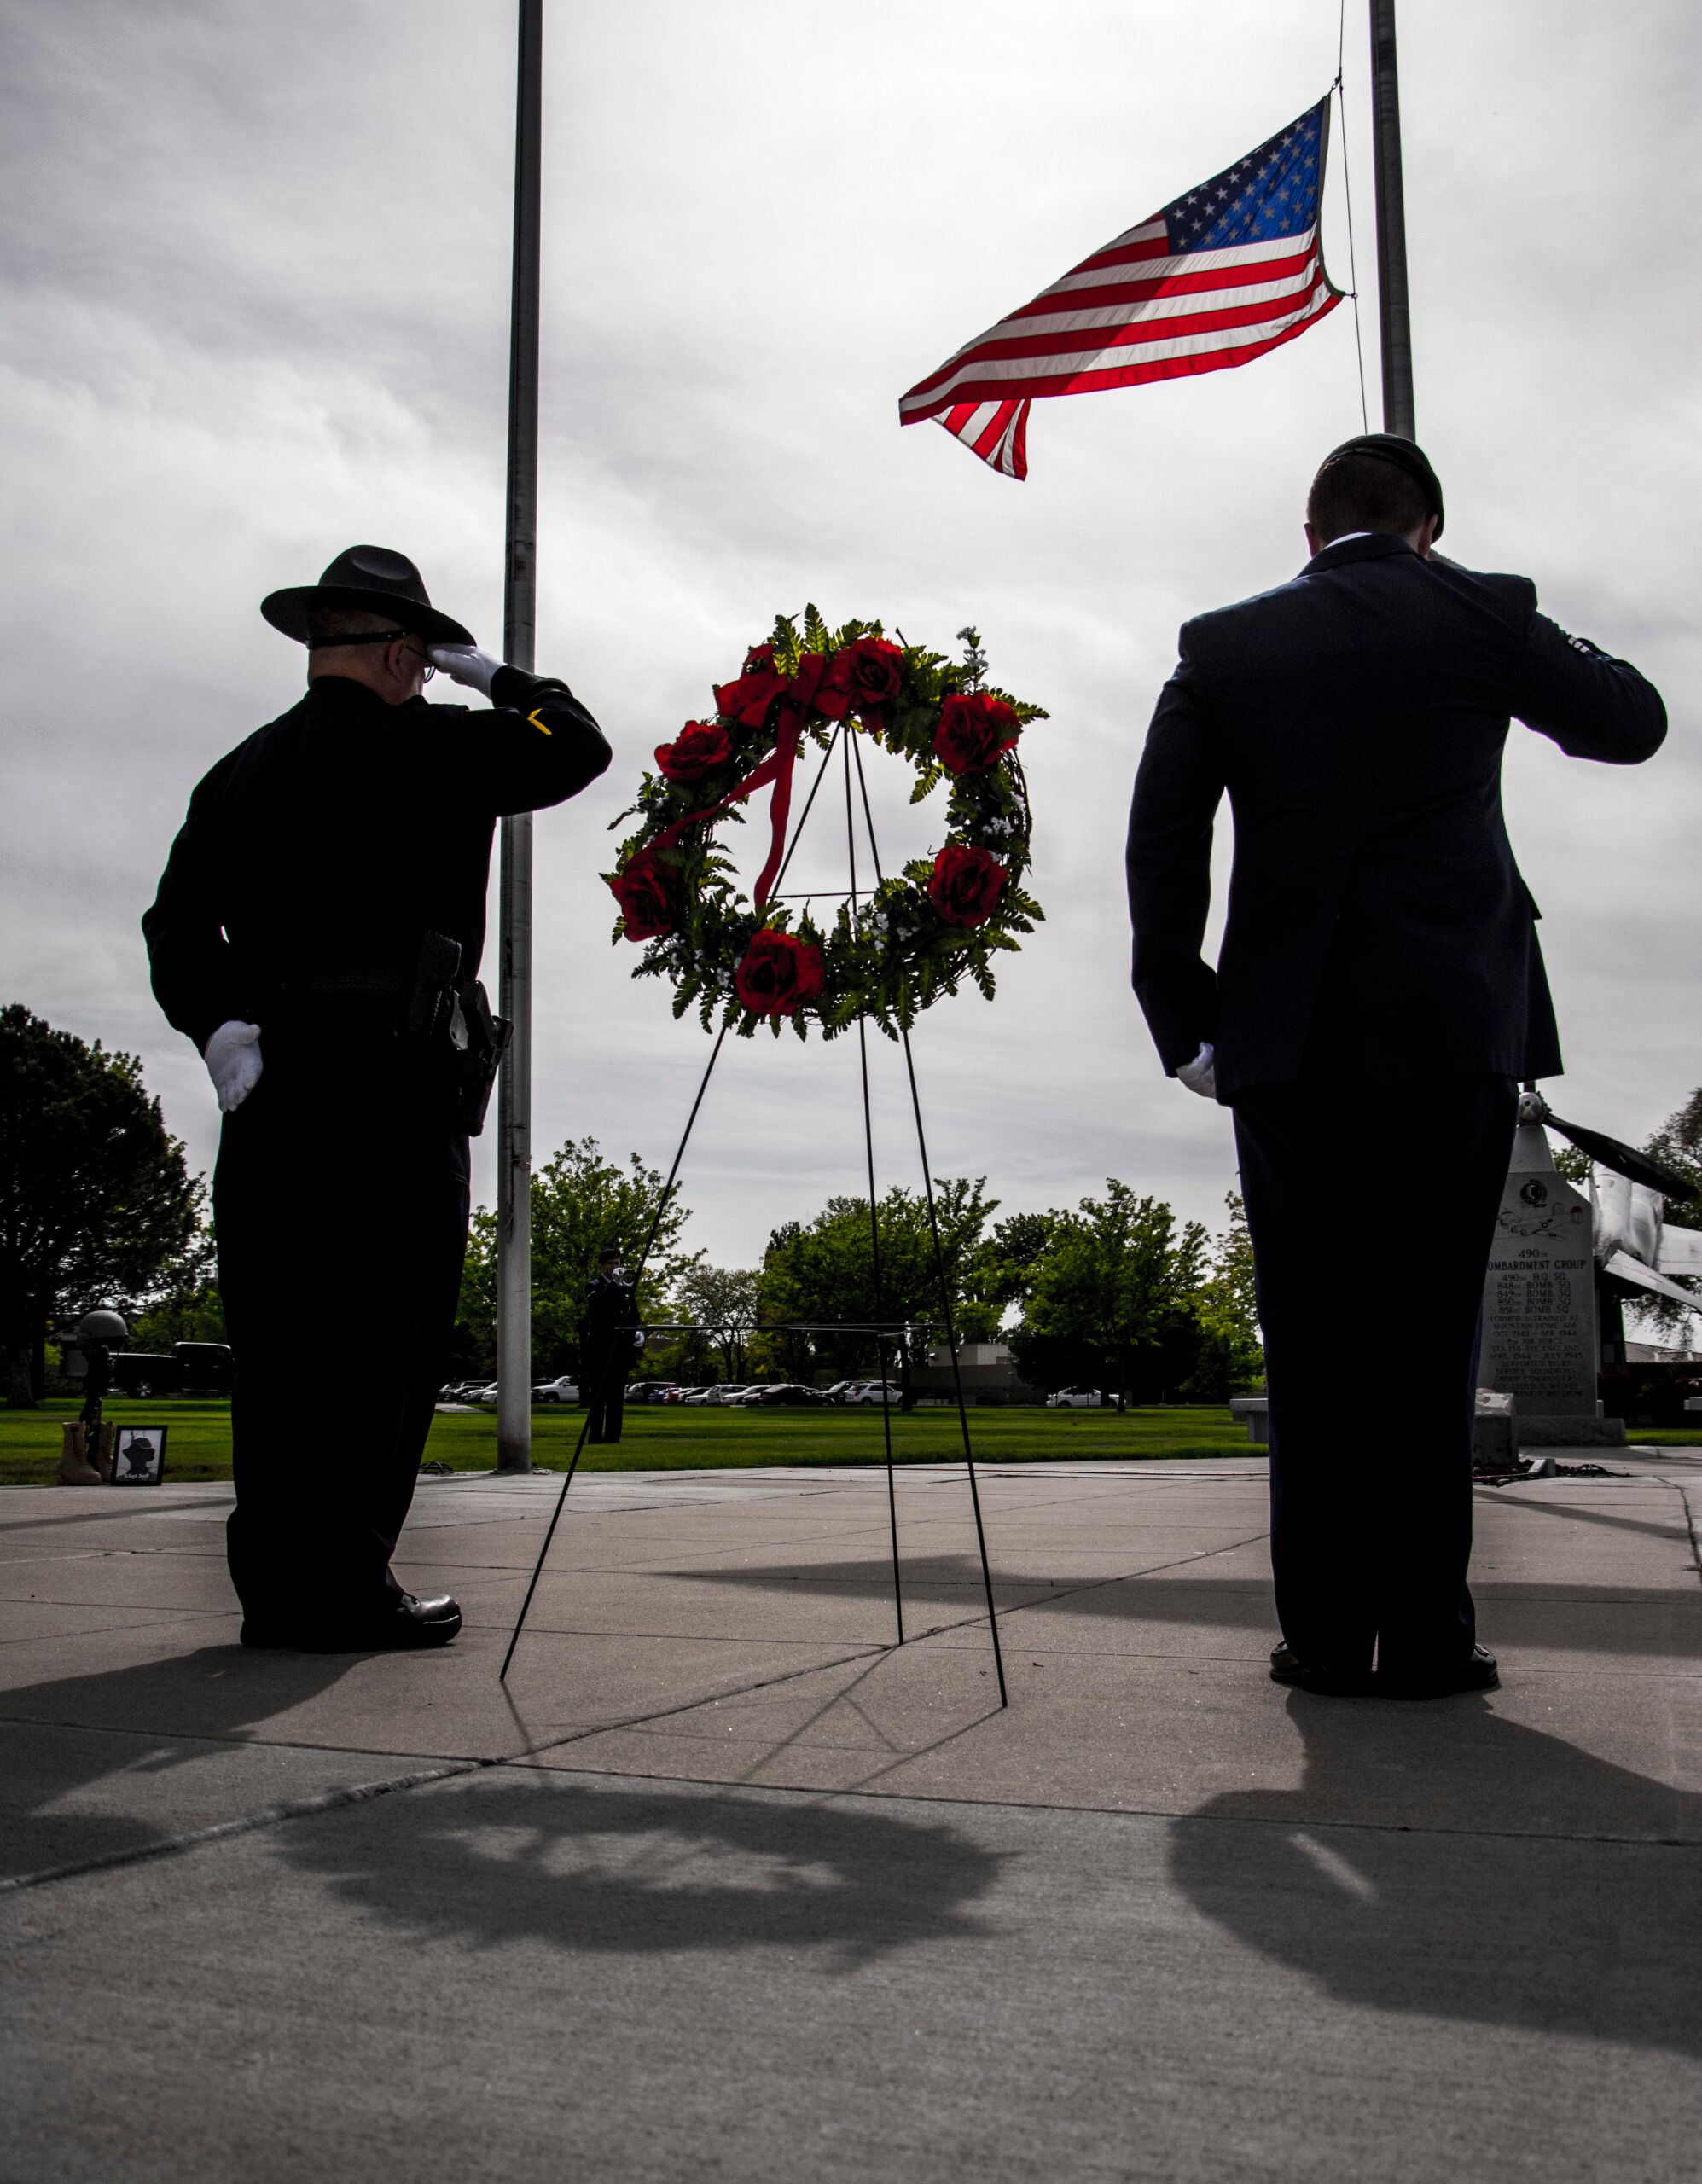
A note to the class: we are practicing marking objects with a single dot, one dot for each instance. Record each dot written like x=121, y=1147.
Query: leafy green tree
x=581, y=1205
x=1230, y=1359
x=1009, y=1263
x=1114, y=1300
x=822, y=1272
x=186, y=1305
x=722, y=1300
x=95, y=1196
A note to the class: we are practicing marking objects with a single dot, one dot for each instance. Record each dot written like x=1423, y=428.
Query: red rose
x=779, y=973
x=747, y=699
x=974, y=733
x=862, y=677
x=873, y=670
x=965, y=884
x=699, y=747
x=649, y=893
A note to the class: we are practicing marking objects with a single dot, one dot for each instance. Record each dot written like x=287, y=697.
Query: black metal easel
x=880, y=1327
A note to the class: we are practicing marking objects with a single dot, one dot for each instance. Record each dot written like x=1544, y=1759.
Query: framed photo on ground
x=139, y=1455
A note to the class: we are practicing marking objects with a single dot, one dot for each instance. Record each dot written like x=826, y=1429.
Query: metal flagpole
x=1393, y=316
x=514, y=1125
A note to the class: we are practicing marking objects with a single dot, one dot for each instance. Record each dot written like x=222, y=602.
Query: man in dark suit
x=606, y=1347
x=1379, y=994
x=318, y=934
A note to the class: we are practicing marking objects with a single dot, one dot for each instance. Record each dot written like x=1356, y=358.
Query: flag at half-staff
x=1231, y=269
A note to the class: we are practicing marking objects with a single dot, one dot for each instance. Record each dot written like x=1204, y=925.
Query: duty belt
x=349, y=985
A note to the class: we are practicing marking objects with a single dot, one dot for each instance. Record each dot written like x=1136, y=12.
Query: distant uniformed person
x=605, y=1346
x=317, y=933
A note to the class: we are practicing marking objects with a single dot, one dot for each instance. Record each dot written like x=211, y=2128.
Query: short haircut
x=1361, y=492
x=325, y=625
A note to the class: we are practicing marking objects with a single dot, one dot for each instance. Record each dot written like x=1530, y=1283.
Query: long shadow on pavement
x=954, y=1582
x=514, y=1854
x=1561, y=1931
x=57, y=1738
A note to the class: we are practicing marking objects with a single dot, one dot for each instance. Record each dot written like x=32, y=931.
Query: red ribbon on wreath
x=788, y=710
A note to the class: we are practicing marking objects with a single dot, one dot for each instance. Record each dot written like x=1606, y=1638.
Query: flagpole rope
x=1347, y=191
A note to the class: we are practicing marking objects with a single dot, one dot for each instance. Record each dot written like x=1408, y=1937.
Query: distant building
x=989, y=1376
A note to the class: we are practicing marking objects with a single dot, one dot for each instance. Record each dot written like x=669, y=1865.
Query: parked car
x=563, y=1389
x=710, y=1394
x=1073, y=1399
x=481, y=1392
x=869, y=1391
x=191, y=1368
x=729, y=1391
x=781, y=1391
x=205, y=1368
x=143, y=1372
x=838, y=1391
x=651, y=1391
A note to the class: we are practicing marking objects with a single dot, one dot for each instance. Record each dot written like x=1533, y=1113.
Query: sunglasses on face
x=378, y=637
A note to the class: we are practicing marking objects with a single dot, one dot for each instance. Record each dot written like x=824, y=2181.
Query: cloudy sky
x=255, y=264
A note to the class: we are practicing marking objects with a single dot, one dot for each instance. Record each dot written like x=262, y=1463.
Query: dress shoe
x=1476, y=1672
x=410, y=1623
x=1287, y=1667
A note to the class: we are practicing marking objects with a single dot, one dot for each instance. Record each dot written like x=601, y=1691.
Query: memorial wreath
x=894, y=947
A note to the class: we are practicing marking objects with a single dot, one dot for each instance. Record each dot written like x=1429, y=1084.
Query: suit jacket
x=1356, y=717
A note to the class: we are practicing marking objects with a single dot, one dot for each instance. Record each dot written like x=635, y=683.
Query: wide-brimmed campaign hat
x=375, y=580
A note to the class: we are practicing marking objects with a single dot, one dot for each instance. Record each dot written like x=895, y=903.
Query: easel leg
x=874, y=1215
x=940, y=1269
x=615, y=1359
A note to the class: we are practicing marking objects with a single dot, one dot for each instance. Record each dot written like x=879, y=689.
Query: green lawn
x=670, y=1436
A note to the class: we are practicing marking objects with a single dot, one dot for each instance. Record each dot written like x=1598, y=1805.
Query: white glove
x=233, y=1062
x=466, y=663
x=1199, y=1075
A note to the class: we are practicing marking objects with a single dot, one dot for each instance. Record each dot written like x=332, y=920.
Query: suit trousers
x=340, y=1204
x=604, y=1369
x=1372, y=1209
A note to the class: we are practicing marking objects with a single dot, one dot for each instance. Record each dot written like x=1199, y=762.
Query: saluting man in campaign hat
x=317, y=933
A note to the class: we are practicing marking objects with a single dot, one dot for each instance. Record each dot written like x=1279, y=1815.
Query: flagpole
x=513, y=1123
x=1394, y=318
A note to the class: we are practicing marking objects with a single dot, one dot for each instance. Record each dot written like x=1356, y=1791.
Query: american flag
x=1230, y=271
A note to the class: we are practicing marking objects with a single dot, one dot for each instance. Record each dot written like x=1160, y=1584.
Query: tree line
x=1114, y=1293
x=98, y=1205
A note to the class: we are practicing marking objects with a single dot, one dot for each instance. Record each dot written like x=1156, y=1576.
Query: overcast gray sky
x=255, y=265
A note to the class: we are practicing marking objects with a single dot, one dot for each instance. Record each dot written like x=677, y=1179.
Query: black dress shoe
x=410, y=1623
x=1287, y=1667
x=1476, y=1672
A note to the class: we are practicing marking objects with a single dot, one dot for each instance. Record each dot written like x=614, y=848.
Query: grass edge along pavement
x=704, y=1437
x=679, y=1438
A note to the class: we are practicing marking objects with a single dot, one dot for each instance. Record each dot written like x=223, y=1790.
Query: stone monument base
x=1558, y=1430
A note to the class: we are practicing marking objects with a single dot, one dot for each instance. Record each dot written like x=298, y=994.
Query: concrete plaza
x=724, y=1885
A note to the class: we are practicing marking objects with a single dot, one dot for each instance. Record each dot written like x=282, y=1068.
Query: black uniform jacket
x=609, y=1312
x=331, y=840
x=1356, y=717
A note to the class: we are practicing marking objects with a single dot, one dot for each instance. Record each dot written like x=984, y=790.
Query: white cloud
x=255, y=265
